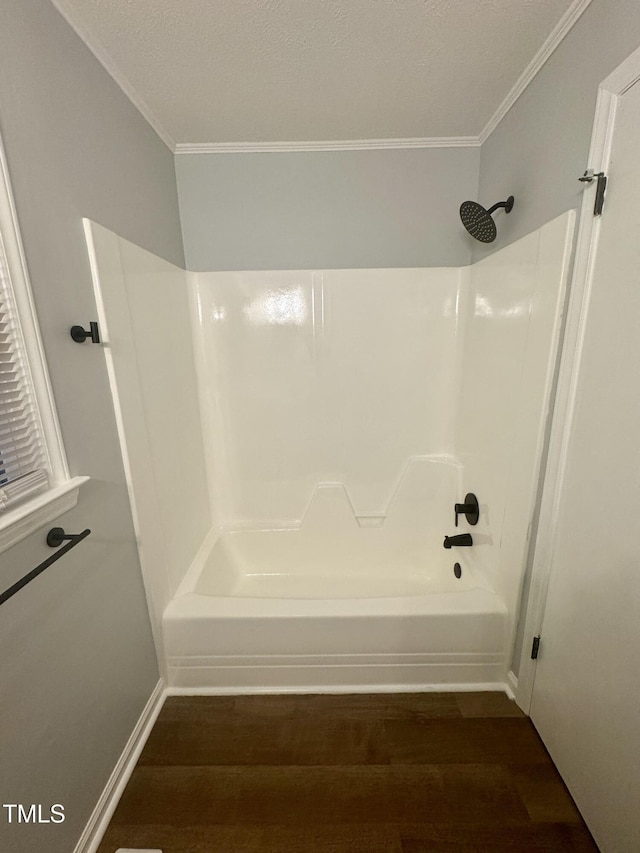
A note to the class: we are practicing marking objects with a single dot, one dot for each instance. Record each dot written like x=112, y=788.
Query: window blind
x=23, y=468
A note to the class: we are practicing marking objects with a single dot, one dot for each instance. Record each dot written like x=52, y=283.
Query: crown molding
x=326, y=145
x=103, y=58
x=558, y=33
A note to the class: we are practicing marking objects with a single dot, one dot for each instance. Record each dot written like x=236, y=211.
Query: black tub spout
x=460, y=539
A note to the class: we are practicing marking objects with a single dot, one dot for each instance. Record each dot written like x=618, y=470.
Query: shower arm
x=498, y=205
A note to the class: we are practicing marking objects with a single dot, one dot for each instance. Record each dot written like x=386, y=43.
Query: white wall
x=344, y=375
x=515, y=300
x=78, y=661
x=143, y=307
x=326, y=376
x=326, y=209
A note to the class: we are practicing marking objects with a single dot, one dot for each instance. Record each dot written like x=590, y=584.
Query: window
x=24, y=467
x=35, y=485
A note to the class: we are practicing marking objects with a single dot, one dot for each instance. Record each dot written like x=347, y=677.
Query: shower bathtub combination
x=291, y=510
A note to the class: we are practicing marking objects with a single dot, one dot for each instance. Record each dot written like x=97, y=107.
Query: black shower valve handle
x=470, y=509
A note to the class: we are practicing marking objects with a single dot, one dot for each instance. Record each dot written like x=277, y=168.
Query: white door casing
x=583, y=692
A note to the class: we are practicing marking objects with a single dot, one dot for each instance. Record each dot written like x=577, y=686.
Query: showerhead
x=478, y=221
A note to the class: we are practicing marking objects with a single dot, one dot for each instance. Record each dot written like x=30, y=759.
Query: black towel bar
x=55, y=537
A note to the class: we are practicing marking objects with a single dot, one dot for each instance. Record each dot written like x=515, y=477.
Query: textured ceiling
x=272, y=70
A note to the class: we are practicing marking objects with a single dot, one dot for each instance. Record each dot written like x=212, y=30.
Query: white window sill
x=18, y=523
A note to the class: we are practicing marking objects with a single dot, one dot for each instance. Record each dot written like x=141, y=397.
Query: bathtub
x=334, y=605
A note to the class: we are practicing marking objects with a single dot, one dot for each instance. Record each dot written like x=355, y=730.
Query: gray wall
x=540, y=149
x=326, y=209
x=78, y=662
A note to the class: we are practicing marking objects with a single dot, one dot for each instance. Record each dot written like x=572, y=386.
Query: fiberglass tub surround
x=343, y=415
x=336, y=376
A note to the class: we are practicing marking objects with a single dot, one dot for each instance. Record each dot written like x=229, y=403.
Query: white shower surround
x=323, y=376
x=338, y=385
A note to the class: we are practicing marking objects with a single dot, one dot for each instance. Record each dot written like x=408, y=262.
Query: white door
x=586, y=696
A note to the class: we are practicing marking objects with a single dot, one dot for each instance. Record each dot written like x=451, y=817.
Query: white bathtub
x=361, y=608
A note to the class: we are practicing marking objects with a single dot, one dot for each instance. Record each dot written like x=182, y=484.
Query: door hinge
x=601, y=178
x=534, y=647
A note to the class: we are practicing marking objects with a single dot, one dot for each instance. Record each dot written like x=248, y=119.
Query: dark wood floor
x=380, y=773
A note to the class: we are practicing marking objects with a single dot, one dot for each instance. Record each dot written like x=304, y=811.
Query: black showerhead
x=478, y=221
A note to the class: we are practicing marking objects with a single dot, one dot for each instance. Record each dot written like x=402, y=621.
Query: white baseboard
x=106, y=805
x=335, y=673
x=512, y=684
x=492, y=686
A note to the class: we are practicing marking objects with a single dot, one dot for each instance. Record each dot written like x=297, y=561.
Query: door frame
x=552, y=479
